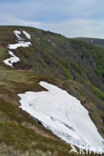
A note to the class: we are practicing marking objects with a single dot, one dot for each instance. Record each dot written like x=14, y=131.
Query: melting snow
x=11, y=60
x=27, y=35
x=22, y=44
x=17, y=34
x=63, y=114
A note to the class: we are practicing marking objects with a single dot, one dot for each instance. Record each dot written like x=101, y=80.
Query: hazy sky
x=72, y=18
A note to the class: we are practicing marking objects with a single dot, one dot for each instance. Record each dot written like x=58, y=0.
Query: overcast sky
x=72, y=18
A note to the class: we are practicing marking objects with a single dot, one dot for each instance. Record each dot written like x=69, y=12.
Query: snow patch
x=11, y=60
x=63, y=114
x=17, y=34
x=22, y=44
x=20, y=41
x=27, y=35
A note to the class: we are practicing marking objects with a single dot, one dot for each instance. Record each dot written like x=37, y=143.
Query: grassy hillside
x=73, y=65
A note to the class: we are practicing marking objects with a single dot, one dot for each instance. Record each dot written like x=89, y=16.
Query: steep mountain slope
x=63, y=114
x=72, y=65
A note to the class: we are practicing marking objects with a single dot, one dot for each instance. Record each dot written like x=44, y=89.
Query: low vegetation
x=73, y=65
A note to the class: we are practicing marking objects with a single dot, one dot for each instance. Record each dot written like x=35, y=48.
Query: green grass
x=72, y=65
x=98, y=92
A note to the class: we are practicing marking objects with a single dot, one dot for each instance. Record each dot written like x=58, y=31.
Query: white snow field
x=11, y=60
x=63, y=114
x=20, y=43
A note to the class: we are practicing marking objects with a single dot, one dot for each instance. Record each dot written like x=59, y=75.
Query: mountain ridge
x=94, y=41
x=70, y=64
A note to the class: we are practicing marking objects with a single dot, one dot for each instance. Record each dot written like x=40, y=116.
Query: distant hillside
x=71, y=64
x=93, y=41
